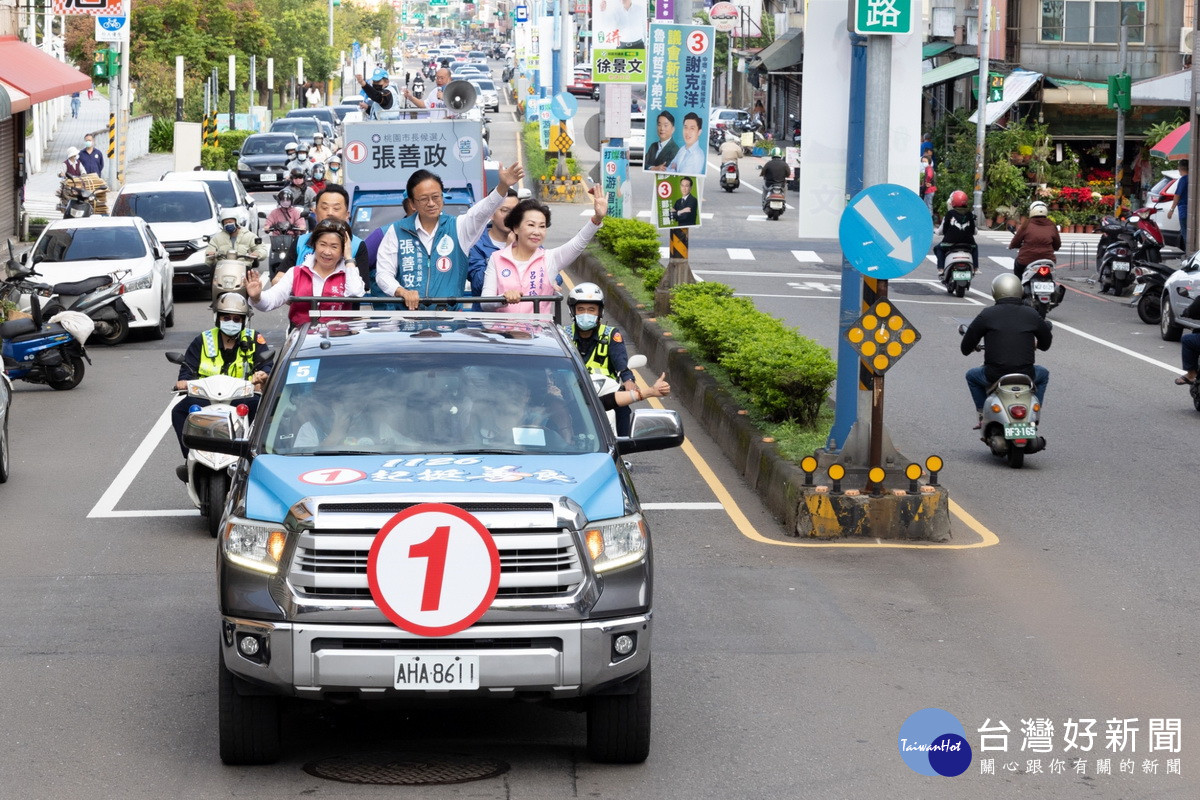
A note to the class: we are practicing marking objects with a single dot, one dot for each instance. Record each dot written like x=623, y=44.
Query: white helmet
x=1038, y=209
x=231, y=303
x=585, y=293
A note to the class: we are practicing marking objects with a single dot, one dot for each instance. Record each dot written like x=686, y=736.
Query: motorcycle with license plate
x=1041, y=290
x=773, y=201
x=1011, y=414
x=99, y=297
x=730, y=179
x=1150, y=277
x=959, y=269
x=208, y=474
x=1123, y=245
x=37, y=351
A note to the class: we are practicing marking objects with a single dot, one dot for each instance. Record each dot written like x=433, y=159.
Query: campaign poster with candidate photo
x=677, y=201
x=619, y=41
x=678, y=98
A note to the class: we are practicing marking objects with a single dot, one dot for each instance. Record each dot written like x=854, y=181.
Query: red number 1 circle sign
x=433, y=569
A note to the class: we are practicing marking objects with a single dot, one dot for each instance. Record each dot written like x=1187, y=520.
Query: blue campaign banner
x=614, y=180
x=677, y=98
x=532, y=105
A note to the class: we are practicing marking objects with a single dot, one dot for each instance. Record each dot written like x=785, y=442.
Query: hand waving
x=510, y=176
x=599, y=204
x=253, y=284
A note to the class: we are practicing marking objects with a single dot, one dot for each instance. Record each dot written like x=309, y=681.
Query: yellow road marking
x=747, y=529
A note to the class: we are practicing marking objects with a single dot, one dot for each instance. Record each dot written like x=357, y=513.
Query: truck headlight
x=616, y=543
x=254, y=545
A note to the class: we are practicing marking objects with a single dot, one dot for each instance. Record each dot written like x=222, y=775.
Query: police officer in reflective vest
x=231, y=349
x=601, y=346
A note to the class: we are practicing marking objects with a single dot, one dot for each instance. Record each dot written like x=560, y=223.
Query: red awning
x=17, y=100
x=38, y=75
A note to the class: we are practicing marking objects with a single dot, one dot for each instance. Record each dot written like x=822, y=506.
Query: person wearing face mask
x=301, y=162
x=91, y=159
x=383, y=101
x=302, y=196
x=229, y=348
x=319, y=153
x=71, y=166
x=317, y=184
x=232, y=237
x=601, y=346
x=334, y=175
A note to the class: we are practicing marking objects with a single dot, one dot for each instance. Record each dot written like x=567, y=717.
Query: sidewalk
x=40, y=188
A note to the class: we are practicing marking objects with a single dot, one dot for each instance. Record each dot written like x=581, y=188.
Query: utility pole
x=232, y=92
x=985, y=20
x=179, y=88
x=1120, y=169
x=1193, y=215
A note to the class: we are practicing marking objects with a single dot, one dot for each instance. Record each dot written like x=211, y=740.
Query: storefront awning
x=1174, y=89
x=36, y=74
x=948, y=72
x=931, y=49
x=784, y=52
x=12, y=101
x=1016, y=85
x=1076, y=94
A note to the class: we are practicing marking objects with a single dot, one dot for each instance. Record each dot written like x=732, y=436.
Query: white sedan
x=74, y=249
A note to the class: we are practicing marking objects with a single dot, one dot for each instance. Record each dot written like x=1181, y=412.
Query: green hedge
x=212, y=158
x=787, y=375
x=230, y=141
x=162, y=135
x=634, y=242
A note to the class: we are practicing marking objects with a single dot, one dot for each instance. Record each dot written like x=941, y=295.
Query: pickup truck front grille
x=332, y=565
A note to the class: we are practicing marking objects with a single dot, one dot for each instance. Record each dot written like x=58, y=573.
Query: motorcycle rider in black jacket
x=957, y=230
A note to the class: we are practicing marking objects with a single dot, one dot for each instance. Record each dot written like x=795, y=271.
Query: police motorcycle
x=37, y=351
x=1040, y=288
x=959, y=269
x=209, y=473
x=1011, y=413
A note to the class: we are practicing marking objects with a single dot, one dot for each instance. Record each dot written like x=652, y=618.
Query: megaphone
x=459, y=96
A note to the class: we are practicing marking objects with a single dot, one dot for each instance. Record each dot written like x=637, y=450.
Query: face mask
x=89, y=145
x=377, y=86
x=334, y=167
x=586, y=321
x=302, y=156
x=230, y=328
x=231, y=227
x=285, y=202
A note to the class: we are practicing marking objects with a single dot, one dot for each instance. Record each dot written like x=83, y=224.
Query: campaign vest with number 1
x=442, y=273
x=210, y=355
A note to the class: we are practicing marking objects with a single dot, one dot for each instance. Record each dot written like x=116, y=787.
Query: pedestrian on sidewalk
x=75, y=101
x=92, y=92
x=91, y=158
x=71, y=166
x=1181, y=203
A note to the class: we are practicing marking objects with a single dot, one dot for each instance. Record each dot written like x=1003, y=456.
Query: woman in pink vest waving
x=329, y=271
x=525, y=267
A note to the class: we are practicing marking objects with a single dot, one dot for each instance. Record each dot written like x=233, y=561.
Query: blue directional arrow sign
x=564, y=105
x=522, y=14
x=885, y=231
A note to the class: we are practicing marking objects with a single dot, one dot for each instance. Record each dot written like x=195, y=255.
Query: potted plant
x=1100, y=153
x=36, y=226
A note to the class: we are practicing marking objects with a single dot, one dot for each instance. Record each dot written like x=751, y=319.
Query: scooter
x=229, y=274
x=1123, y=244
x=959, y=269
x=39, y=352
x=100, y=297
x=282, y=241
x=773, y=202
x=1149, y=278
x=604, y=384
x=795, y=130
x=208, y=474
x=77, y=202
x=1040, y=289
x=730, y=178
x=1011, y=414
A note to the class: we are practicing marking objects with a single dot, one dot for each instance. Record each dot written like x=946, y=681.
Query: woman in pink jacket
x=525, y=267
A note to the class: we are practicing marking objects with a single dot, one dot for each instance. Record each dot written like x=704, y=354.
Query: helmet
x=334, y=159
x=379, y=74
x=776, y=152
x=296, y=173
x=228, y=214
x=290, y=147
x=958, y=199
x=301, y=148
x=284, y=196
x=318, y=172
x=231, y=303
x=1006, y=285
x=318, y=137
x=1038, y=209
x=585, y=293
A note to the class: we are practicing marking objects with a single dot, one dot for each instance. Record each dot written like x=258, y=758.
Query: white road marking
x=1004, y=261
x=682, y=506
x=807, y=256
x=106, y=506
x=739, y=254
x=756, y=218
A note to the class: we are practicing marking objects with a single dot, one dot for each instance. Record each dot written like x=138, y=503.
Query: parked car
x=5, y=410
x=582, y=85
x=183, y=216
x=637, y=137
x=489, y=98
x=302, y=128
x=229, y=193
x=1178, y=293
x=76, y=249
x=728, y=116
x=262, y=162
x=1161, y=196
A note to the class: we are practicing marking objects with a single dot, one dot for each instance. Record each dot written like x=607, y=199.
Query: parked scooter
x=730, y=177
x=1011, y=414
x=774, y=202
x=1041, y=290
x=1124, y=244
x=1149, y=277
x=208, y=474
x=100, y=297
x=76, y=202
x=36, y=351
x=959, y=269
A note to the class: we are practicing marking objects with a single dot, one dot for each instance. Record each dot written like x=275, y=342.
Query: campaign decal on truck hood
x=277, y=482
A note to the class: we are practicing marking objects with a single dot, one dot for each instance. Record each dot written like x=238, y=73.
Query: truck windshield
x=431, y=403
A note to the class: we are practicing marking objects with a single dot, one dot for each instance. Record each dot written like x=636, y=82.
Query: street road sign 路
x=885, y=231
x=881, y=17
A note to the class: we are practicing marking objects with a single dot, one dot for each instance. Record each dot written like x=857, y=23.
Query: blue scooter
x=32, y=350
